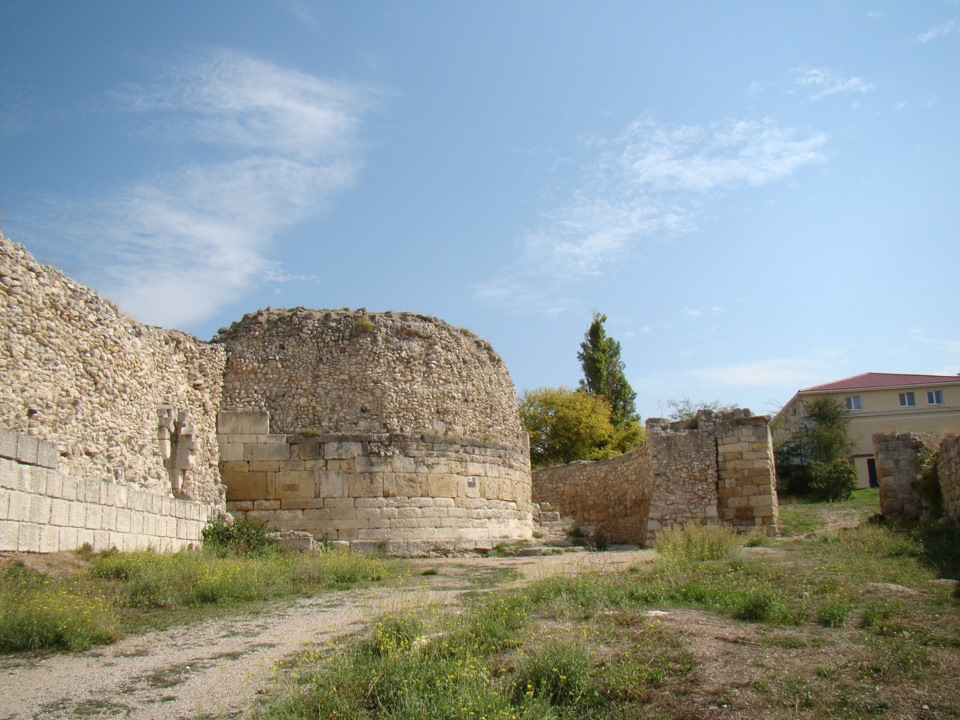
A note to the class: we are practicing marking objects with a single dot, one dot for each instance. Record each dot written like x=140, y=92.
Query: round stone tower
x=389, y=429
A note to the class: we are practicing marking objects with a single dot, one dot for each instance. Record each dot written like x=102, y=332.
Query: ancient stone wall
x=718, y=466
x=606, y=497
x=898, y=467
x=948, y=469
x=405, y=494
x=747, y=479
x=900, y=458
x=341, y=371
x=45, y=510
x=78, y=373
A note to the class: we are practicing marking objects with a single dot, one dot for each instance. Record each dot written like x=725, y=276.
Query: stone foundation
x=405, y=494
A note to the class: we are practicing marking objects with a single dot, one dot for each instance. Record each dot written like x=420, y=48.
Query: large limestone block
x=342, y=450
x=246, y=486
x=294, y=484
x=438, y=485
x=268, y=451
x=402, y=485
x=365, y=485
x=331, y=484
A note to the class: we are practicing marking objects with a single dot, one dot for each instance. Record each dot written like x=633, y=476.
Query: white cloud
x=176, y=248
x=649, y=182
x=937, y=32
x=781, y=372
x=823, y=82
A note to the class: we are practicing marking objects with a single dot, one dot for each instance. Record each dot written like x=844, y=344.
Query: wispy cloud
x=937, y=32
x=649, y=182
x=173, y=249
x=822, y=82
x=779, y=372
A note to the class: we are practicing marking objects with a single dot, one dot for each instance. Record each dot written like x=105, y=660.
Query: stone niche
x=391, y=431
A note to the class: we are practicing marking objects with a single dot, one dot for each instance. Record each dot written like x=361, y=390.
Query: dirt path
x=215, y=669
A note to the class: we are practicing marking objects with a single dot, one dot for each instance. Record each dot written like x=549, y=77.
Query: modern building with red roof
x=882, y=402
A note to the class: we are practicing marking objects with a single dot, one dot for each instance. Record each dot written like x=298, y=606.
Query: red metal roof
x=871, y=381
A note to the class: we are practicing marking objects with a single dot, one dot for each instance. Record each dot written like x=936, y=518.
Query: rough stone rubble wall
x=717, y=467
x=80, y=374
x=948, y=468
x=606, y=497
x=683, y=463
x=339, y=371
x=899, y=466
x=410, y=495
x=44, y=510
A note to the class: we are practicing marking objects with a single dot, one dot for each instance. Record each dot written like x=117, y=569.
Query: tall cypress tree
x=603, y=371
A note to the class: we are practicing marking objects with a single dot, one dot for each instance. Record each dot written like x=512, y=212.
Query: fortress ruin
x=387, y=430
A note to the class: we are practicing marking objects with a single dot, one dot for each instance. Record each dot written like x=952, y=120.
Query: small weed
x=308, y=432
x=364, y=324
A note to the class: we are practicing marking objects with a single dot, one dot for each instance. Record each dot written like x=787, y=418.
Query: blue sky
x=760, y=195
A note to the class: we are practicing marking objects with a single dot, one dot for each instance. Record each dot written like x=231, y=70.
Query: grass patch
x=119, y=592
x=804, y=632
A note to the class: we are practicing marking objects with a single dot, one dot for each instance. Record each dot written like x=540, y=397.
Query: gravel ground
x=216, y=668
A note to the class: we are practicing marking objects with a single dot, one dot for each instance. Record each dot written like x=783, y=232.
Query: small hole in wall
x=471, y=482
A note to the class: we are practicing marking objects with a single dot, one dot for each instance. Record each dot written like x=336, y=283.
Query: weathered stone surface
x=86, y=378
x=716, y=468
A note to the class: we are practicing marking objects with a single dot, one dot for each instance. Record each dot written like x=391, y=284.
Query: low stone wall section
x=404, y=494
x=605, y=497
x=45, y=510
x=900, y=458
x=716, y=467
x=82, y=375
x=898, y=467
x=948, y=468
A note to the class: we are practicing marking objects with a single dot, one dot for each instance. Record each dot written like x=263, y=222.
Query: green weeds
x=119, y=592
x=801, y=632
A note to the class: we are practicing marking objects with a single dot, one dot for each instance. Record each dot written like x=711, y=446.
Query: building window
x=853, y=402
x=907, y=399
x=935, y=397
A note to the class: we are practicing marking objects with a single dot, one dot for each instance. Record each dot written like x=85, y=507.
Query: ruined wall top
x=346, y=371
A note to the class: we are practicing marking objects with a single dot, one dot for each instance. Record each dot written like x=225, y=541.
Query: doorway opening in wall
x=872, y=472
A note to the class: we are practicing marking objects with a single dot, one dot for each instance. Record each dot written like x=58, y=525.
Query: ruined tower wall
x=385, y=429
x=716, y=467
x=341, y=371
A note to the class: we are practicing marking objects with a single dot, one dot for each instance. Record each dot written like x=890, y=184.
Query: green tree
x=603, y=372
x=808, y=454
x=567, y=425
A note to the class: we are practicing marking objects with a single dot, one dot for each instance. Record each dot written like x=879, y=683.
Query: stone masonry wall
x=683, y=458
x=747, y=487
x=406, y=494
x=341, y=371
x=45, y=510
x=716, y=467
x=948, y=468
x=606, y=497
x=898, y=466
x=77, y=372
